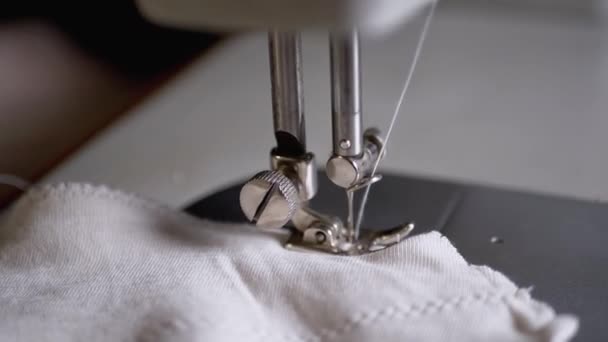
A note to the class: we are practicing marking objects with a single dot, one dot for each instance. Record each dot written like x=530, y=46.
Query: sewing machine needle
x=350, y=219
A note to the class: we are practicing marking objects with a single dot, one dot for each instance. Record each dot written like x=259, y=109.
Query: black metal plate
x=392, y=201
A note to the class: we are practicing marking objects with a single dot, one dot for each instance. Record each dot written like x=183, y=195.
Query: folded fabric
x=85, y=263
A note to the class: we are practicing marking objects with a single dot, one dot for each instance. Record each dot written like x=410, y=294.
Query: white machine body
x=374, y=16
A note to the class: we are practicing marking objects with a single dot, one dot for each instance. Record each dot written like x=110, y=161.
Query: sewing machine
x=524, y=235
x=275, y=198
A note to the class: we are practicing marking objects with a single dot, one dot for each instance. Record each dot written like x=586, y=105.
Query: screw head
x=320, y=237
x=345, y=144
x=269, y=199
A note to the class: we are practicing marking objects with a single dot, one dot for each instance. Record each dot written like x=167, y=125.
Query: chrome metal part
x=273, y=198
x=287, y=96
x=306, y=218
x=343, y=171
x=319, y=238
x=349, y=171
x=302, y=170
x=345, y=144
x=389, y=237
x=365, y=182
x=269, y=199
x=346, y=93
x=352, y=230
x=313, y=231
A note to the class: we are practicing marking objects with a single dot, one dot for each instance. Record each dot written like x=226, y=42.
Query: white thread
x=406, y=86
x=14, y=181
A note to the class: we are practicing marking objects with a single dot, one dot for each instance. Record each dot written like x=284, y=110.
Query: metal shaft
x=287, y=97
x=346, y=93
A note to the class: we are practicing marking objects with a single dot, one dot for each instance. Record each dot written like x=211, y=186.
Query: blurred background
x=70, y=70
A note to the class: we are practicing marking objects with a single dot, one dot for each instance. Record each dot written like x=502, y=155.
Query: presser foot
x=328, y=235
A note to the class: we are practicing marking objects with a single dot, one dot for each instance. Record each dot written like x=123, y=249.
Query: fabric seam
x=367, y=318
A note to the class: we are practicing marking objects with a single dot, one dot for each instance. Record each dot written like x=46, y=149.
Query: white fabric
x=83, y=263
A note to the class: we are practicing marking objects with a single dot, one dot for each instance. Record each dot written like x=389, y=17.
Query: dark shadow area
x=115, y=32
